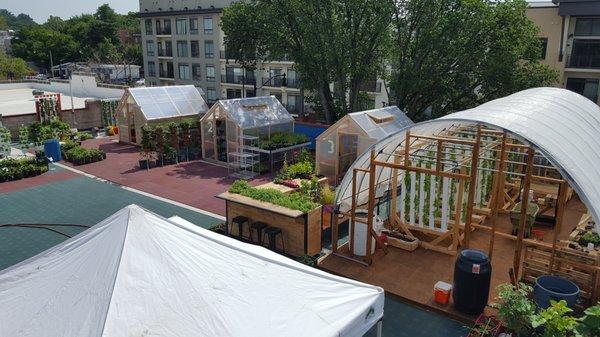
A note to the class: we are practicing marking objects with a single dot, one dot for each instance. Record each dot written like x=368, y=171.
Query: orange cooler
x=441, y=292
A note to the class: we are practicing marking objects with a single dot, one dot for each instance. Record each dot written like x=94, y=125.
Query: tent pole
x=523, y=215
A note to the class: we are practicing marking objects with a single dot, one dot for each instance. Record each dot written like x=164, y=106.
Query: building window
x=184, y=71
x=209, y=49
x=234, y=93
x=587, y=27
x=210, y=72
x=211, y=95
x=181, y=26
x=292, y=105
x=150, y=48
x=148, y=23
x=196, y=75
x=151, y=69
x=585, y=53
x=587, y=87
x=544, y=43
x=208, y=25
x=163, y=27
x=167, y=29
x=193, y=25
x=182, y=49
x=195, y=48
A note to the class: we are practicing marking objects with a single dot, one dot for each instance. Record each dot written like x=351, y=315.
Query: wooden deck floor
x=412, y=275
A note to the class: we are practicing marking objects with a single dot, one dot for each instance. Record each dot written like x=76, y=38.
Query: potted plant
x=555, y=320
x=485, y=326
x=515, y=308
x=589, y=324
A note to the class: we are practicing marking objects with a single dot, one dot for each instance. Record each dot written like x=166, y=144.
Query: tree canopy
x=339, y=42
x=12, y=67
x=448, y=55
x=86, y=37
x=15, y=22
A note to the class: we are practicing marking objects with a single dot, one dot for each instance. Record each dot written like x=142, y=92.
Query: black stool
x=272, y=233
x=240, y=221
x=258, y=227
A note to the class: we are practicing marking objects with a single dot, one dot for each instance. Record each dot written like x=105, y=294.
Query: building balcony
x=272, y=82
x=293, y=82
x=371, y=86
x=294, y=109
x=165, y=53
x=236, y=79
x=167, y=75
x=163, y=32
x=583, y=61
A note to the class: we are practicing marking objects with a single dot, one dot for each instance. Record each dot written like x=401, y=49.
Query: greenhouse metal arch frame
x=558, y=124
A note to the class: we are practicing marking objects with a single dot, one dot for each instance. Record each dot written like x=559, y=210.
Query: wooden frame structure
x=504, y=156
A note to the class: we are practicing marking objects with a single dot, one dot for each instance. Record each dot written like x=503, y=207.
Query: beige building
x=570, y=31
x=183, y=44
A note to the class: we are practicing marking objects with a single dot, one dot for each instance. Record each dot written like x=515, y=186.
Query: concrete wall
x=550, y=25
x=83, y=86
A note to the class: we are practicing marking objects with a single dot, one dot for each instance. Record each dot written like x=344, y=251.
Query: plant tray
x=485, y=326
x=401, y=241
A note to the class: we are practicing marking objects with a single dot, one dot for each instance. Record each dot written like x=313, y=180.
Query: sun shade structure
x=351, y=136
x=561, y=126
x=140, y=106
x=232, y=128
x=138, y=274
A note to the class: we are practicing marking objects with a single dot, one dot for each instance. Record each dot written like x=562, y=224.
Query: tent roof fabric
x=169, y=101
x=393, y=119
x=255, y=112
x=562, y=125
x=139, y=274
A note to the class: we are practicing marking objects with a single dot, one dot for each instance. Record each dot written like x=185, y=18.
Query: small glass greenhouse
x=149, y=105
x=339, y=146
x=246, y=133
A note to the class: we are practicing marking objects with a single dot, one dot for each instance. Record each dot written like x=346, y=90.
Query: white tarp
x=561, y=124
x=138, y=274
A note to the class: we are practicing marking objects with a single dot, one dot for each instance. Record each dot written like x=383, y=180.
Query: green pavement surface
x=80, y=201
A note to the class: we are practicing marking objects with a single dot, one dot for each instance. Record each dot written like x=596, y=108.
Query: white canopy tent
x=562, y=125
x=138, y=274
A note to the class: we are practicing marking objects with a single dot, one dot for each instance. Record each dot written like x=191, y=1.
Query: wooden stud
x=523, y=216
x=371, y=207
x=497, y=187
x=457, y=213
x=558, y=219
x=335, y=235
x=407, y=149
x=473, y=182
x=394, y=194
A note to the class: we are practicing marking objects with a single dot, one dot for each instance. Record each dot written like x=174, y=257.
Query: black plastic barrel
x=472, y=274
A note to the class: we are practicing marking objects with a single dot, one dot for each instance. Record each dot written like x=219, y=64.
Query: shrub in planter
x=219, y=228
x=555, y=320
x=589, y=324
x=308, y=260
x=15, y=169
x=515, y=308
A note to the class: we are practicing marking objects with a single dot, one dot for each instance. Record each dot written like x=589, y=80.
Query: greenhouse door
x=348, y=147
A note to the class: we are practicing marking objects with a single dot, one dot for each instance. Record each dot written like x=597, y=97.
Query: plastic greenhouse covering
x=562, y=125
x=254, y=112
x=169, y=101
x=139, y=274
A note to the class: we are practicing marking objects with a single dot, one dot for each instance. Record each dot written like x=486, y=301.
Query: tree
x=3, y=23
x=16, y=22
x=36, y=42
x=340, y=42
x=448, y=55
x=12, y=67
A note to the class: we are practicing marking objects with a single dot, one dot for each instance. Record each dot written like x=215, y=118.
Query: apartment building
x=570, y=32
x=183, y=44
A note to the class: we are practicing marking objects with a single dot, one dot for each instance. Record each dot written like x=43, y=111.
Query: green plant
x=14, y=169
x=220, y=228
x=589, y=237
x=555, y=320
x=327, y=196
x=589, y=324
x=280, y=140
x=515, y=308
x=297, y=201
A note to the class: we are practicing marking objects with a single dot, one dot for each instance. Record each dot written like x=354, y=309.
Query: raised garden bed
x=399, y=240
x=78, y=155
x=16, y=169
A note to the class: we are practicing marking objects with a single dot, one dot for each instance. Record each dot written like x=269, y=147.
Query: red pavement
x=192, y=183
x=49, y=177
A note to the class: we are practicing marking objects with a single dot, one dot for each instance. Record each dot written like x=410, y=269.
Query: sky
x=40, y=10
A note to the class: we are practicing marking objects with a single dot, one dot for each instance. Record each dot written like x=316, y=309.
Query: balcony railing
x=371, y=86
x=166, y=74
x=164, y=52
x=237, y=79
x=272, y=82
x=583, y=61
x=163, y=31
x=292, y=82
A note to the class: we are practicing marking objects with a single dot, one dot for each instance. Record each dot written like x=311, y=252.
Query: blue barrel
x=52, y=149
x=556, y=288
x=472, y=276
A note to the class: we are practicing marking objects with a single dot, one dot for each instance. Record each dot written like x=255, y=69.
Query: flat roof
x=14, y=102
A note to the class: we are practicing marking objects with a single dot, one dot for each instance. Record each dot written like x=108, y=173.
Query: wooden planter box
x=400, y=242
x=301, y=231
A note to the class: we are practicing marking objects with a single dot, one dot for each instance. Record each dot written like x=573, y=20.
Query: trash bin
x=556, y=288
x=472, y=274
x=52, y=150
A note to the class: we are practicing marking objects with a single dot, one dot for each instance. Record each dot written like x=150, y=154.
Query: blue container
x=52, y=150
x=550, y=287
